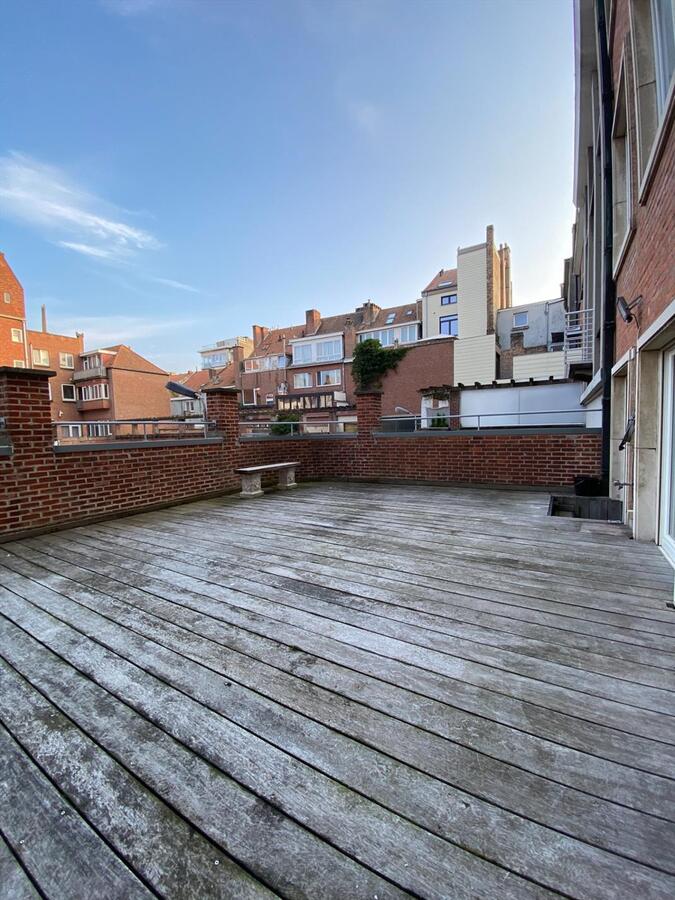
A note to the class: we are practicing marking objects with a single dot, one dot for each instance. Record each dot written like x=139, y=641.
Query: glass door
x=667, y=523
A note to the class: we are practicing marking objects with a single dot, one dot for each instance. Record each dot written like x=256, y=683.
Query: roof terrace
x=385, y=691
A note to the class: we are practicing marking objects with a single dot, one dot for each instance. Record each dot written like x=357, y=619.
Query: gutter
x=608, y=287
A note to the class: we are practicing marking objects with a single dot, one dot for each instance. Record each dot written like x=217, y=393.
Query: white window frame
x=72, y=399
x=453, y=317
x=72, y=431
x=17, y=335
x=390, y=336
x=322, y=373
x=89, y=392
x=19, y=364
x=622, y=205
x=92, y=362
x=306, y=352
x=521, y=313
x=98, y=429
x=254, y=391
x=663, y=82
x=666, y=542
x=65, y=365
x=302, y=380
x=6, y=296
x=41, y=355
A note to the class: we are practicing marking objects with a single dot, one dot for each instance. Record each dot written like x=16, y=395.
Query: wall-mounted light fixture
x=625, y=308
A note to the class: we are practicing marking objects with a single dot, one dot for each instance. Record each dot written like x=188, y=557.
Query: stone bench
x=250, y=477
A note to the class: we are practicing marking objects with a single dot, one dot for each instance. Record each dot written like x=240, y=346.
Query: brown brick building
x=620, y=285
x=307, y=368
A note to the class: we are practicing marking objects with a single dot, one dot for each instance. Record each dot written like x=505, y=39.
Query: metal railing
x=442, y=421
x=141, y=430
x=295, y=429
x=579, y=337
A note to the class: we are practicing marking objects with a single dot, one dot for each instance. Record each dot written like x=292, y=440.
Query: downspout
x=608, y=286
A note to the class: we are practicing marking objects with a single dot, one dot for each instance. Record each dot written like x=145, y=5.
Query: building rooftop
x=392, y=690
x=444, y=278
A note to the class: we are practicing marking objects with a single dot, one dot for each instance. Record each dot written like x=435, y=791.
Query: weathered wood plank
x=652, y=669
x=63, y=855
x=618, y=704
x=413, y=857
x=464, y=814
x=14, y=882
x=163, y=849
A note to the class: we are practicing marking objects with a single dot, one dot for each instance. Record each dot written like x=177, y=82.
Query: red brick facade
x=648, y=265
x=42, y=486
x=55, y=345
x=12, y=317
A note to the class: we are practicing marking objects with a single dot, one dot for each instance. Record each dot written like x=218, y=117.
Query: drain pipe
x=608, y=286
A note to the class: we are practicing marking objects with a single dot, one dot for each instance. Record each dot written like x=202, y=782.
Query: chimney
x=44, y=318
x=370, y=311
x=312, y=320
x=259, y=334
x=238, y=355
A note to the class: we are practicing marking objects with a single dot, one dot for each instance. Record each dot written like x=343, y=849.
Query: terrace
x=395, y=690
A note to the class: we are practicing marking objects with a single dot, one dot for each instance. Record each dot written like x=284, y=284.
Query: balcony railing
x=95, y=372
x=295, y=429
x=141, y=430
x=579, y=337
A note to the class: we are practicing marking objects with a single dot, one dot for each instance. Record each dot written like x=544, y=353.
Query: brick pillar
x=26, y=409
x=222, y=407
x=368, y=411
x=454, y=395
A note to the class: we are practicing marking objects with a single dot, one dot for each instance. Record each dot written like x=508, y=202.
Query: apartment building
x=530, y=340
x=307, y=368
x=620, y=280
x=222, y=353
x=13, y=346
x=464, y=302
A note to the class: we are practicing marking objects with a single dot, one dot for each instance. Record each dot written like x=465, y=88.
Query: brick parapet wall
x=41, y=488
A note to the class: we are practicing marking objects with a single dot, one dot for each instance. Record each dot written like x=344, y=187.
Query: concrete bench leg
x=287, y=479
x=250, y=486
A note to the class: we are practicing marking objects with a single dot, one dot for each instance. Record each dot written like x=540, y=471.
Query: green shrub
x=282, y=426
x=372, y=361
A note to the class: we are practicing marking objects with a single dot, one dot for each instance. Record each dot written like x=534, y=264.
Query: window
x=19, y=364
x=557, y=339
x=100, y=429
x=17, y=335
x=621, y=194
x=318, y=351
x=520, y=319
x=663, y=23
x=93, y=392
x=71, y=431
x=653, y=52
x=264, y=363
x=329, y=376
x=390, y=319
x=448, y=325
x=406, y=334
x=7, y=297
x=40, y=358
x=68, y=392
x=447, y=299
x=66, y=361
x=91, y=362
x=302, y=380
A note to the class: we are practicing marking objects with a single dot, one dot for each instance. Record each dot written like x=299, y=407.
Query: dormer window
x=390, y=319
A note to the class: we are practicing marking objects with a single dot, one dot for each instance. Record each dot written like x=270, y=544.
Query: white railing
x=294, y=429
x=441, y=421
x=141, y=430
x=579, y=337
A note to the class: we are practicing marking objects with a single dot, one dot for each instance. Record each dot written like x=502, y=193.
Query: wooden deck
x=350, y=691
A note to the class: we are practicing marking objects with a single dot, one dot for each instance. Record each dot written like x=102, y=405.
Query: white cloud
x=46, y=198
x=87, y=250
x=100, y=331
x=130, y=8
x=178, y=285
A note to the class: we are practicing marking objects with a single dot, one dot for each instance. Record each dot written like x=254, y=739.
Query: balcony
x=579, y=337
x=85, y=374
x=93, y=405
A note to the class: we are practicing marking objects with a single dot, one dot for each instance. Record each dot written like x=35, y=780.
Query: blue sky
x=172, y=171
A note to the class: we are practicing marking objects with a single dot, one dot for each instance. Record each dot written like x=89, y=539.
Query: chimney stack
x=44, y=318
x=259, y=334
x=312, y=320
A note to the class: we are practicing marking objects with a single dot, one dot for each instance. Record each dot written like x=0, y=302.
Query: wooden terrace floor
x=349, y=691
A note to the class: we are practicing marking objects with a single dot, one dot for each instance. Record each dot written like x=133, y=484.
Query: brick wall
x=42, y=486
x=12, y=315
x=55, y=344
